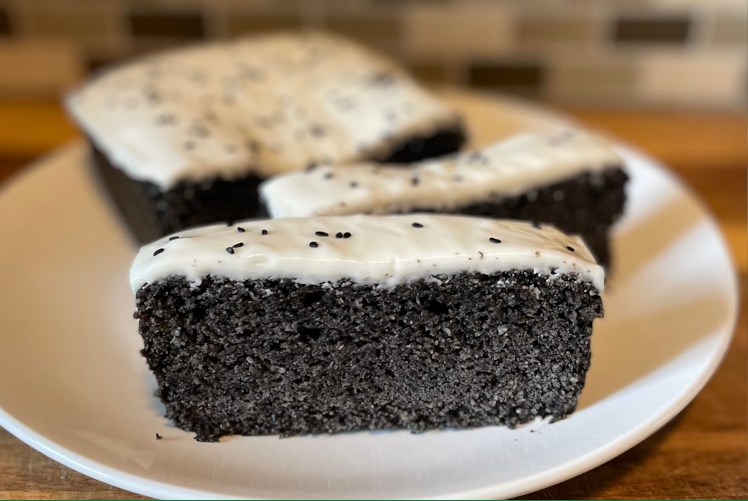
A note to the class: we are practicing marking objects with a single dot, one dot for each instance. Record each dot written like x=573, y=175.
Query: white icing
x=266, y=105
x=508, y=168
x=384, y=250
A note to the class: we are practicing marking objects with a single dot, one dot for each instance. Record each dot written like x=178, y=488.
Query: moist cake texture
x=571, y=179
x=188, y=122
x=360, y=323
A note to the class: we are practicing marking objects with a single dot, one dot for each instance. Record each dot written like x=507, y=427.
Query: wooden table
x=703, y=453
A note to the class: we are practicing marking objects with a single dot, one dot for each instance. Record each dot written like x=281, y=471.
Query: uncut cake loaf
x=571, y=179
x=184, y=138
x=332, y=324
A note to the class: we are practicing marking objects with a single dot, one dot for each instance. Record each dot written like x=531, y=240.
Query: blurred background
x=643, y=53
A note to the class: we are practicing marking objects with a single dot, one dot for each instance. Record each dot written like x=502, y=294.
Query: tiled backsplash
x=610, y=53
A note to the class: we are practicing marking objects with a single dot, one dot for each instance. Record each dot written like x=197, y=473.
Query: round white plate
x=73, y=385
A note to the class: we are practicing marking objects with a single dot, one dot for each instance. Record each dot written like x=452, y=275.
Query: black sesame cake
x=571, y=179
x=184, y=138
x=332, y=324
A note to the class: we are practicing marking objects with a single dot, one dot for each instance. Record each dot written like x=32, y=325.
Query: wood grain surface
x=702, y=453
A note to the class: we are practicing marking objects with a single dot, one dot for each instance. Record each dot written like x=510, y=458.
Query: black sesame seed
x=158, y=437
x=383, y=79
x=328, y=175
x=264, y=232
x=311, y=166
x=338, y=235
x=345, y=104
x=313, y=244
x=417, y=225
x=240, y=229
x=198, y=130
x=415, y=181
x=317, y=130
x=494, y=240
x=159, y=251
x=321, y=234
x=263, y=122
x=153, y=97
x=166, y=119
x=251, y=73
x=570, y=248
x=475, y=157
x=347, y=235
x=536, y=225
x=172, y=238
x=229, y=250
x=236, y=246
x=354, y=184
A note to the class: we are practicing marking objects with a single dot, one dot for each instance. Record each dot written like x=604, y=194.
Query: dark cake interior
x=463, y=351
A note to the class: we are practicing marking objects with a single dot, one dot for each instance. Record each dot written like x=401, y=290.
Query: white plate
x=73, y=385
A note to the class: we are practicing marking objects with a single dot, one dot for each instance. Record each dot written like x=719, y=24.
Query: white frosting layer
x=384, y=250
x=504, y=169
x=266, y=105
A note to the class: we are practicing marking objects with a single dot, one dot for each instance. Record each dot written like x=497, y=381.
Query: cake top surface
x=507, y=168
x=266, y=105
x=383, y=250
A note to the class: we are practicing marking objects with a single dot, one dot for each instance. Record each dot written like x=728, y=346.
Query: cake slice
x=183, y=138
x=332, y=324
x=572, y=179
